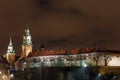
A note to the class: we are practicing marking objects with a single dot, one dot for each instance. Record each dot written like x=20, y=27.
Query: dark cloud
x=61, y=23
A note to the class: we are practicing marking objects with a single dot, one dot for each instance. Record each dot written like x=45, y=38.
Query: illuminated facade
x=10, y=54
x=60, y=57
x=27, y=44
x=26, y=48
x=73, y=57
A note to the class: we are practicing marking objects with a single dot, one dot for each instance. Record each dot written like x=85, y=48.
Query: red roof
x=61, y=52
x=47, y=52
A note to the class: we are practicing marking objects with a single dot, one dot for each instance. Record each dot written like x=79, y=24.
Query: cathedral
x=75, y=57
x=10, y=54
x=26, y=49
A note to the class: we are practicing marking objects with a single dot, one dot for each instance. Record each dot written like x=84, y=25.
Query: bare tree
x=96, y=59
x=107, y=58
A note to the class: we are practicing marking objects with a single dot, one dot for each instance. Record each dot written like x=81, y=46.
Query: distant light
x=99, y=74
x=12, y=75
x=84, y=65
x=98, y=77
x=25, y=63
x=0, y=72
x=115, y=76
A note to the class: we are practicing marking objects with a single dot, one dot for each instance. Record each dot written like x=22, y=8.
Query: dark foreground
x=64, y=73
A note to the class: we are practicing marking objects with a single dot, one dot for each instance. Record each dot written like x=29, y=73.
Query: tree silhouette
x=96, y=59
x=107, y=58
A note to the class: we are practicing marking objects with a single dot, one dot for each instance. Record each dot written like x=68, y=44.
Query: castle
x=26, y=49
x=59, y=57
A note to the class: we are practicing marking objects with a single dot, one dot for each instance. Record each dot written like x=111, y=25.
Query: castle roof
x=61, y=52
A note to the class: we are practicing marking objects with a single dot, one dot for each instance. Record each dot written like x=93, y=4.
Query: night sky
x=60, y=23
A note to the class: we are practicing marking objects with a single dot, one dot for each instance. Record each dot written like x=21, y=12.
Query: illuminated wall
x=115, y=61
x=86, y=59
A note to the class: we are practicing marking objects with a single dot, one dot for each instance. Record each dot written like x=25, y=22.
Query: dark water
x=58, y=73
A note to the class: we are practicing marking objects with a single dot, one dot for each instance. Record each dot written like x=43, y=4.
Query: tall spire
x=10, y=54
x=27, y=36
x=27, y=43
x=10, y=43
x=27, y=31
x=10, y=47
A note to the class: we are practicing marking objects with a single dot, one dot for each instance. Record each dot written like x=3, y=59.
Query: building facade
x=60, y=57
x=75, y=57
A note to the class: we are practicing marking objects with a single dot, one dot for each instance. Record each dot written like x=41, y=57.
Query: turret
x=10, y=47
x=27, y=43
x=10, y=53
x=27, y=37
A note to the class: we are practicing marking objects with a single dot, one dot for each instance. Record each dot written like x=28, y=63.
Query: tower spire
x=27, y=36
x=27, y=43
x=10, y=47
x=10, y=54
x=27, y=31
x=10, y=44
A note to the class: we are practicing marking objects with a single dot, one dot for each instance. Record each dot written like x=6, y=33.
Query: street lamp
x=11, y=76
x=0, y=72
x=84, y=64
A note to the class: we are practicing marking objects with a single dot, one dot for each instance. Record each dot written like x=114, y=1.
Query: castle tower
x=10, y=53
x=27, y=43
x=42, y=48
